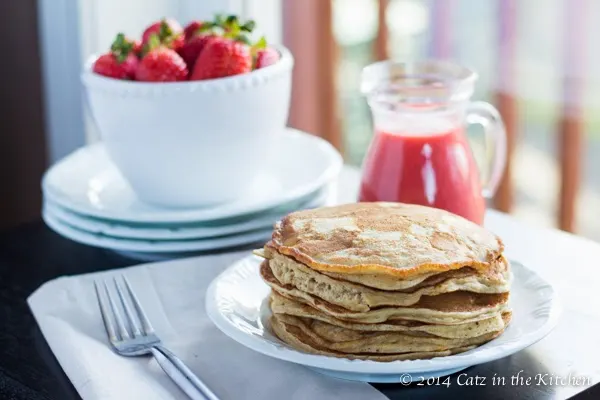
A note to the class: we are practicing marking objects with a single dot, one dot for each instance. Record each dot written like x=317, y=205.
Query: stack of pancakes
x=385, y=281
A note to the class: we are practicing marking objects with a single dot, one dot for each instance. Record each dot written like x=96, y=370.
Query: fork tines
x=135, y=323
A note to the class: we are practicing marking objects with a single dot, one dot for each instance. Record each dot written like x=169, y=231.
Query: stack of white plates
x=87, y=200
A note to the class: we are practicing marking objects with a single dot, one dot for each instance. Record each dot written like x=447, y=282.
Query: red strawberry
x=266, y=57
x=108, y=65
x=121, y=62
x=192, y=29
x=169, y=33
x=192, y=48
x=222, y=57
x=161, y=64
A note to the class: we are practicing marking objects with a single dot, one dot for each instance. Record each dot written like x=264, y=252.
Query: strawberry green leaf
x=232, y=26
x=153, y=42
x=165, y=30
x=260, y=43
x=205, y=27
x=243, y=39
x=248, y=26
x=121, y=47
x=118, y=42
x=121, y=57
x=231, y=20
x=256, y=47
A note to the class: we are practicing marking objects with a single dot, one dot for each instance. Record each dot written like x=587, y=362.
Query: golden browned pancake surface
x=384, y=238
x=497, y=322
x=358, y=297
x=345, y=340
x=295, y=337
x=448, y=308
x=496, y=272
x=385, y=281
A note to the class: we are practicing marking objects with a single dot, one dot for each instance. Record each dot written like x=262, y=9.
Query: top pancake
x=389, y=239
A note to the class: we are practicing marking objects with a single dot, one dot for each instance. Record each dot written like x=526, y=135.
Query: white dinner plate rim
x=334, y=162
x=154, y=246
x=485, y=353
x=177, y=231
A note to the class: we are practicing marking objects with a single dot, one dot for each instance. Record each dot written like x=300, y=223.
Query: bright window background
x=474, y=42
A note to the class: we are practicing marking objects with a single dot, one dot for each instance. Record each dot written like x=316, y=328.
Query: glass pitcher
x=419, y=153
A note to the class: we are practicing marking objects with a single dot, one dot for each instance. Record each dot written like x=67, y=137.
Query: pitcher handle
x=486, y=115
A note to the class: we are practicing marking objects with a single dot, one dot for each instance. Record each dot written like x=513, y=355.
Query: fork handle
x=182, y=375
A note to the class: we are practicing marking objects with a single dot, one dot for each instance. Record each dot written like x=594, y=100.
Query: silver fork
x=136, y=337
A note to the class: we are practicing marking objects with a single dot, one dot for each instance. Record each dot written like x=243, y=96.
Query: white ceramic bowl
x=190, y=144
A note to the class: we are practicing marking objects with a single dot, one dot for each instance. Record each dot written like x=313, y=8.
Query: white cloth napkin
x=172, y=294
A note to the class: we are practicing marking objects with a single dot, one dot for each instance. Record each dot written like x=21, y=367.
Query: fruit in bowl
x=121, y=62
x=190, y=115
x=168, y=53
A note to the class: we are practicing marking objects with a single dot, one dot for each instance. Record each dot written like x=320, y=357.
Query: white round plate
x=154, y=246
x=236, y=303
x=144, y=231
x=88, y=183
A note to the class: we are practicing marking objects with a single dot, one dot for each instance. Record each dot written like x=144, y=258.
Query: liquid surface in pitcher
x=433, y=169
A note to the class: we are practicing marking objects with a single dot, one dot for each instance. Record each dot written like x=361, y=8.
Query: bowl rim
x=285, y=64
